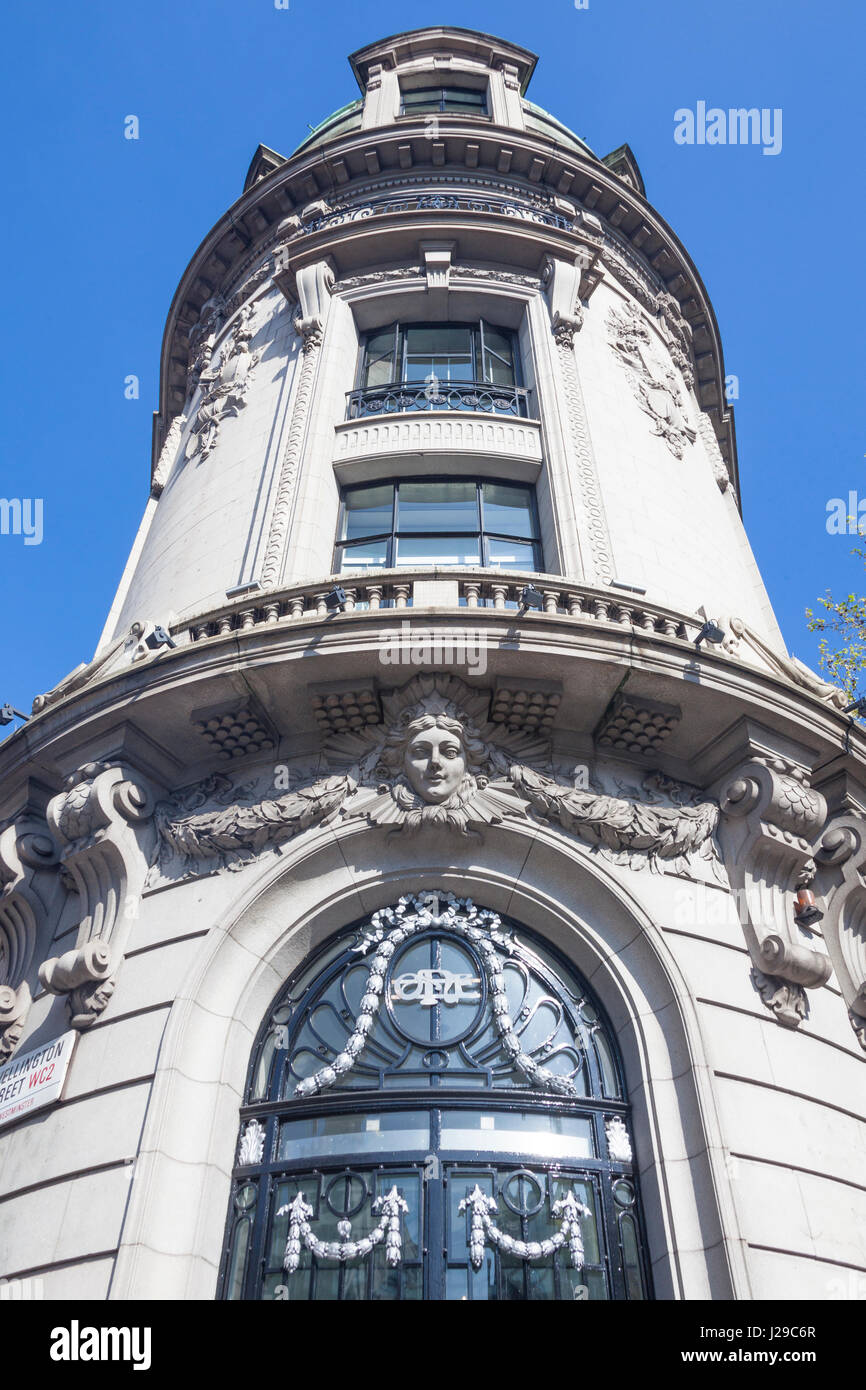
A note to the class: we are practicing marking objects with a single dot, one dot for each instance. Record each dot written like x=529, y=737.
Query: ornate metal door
x=441, y=1120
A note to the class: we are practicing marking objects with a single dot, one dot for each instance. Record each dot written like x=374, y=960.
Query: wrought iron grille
x=470, y=1141
x=464, y=395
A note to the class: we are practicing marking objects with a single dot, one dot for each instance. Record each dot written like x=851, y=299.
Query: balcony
x=452, y=589
x=455, y=395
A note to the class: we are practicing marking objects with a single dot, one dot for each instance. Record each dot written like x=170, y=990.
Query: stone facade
x=180, y=827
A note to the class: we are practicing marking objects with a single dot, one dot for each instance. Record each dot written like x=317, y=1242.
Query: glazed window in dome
x=435, y=1110
x=446, y=521
x=458, y=101
x=439, y=366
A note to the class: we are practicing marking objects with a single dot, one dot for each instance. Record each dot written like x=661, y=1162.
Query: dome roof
x=340, y=122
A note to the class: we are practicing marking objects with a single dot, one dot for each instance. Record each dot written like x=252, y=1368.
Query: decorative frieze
x=438, y=760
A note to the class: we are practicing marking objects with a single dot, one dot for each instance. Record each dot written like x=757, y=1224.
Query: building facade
x=449, y=885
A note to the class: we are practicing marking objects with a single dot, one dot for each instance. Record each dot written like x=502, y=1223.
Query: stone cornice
x=353, y=166
x=264, y=635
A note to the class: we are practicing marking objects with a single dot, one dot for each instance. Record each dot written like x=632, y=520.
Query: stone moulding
x=437, y=760
x=314, y=284
x=770, y=818
x=98, y=822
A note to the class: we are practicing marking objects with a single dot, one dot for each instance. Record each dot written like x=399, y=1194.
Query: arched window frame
x=622, y=1220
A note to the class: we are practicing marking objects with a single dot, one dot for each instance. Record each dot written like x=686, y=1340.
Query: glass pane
x=329, y=1135
x=422, y=99
x=440, y=350
x=438, y=550
x=237, y=1267
x=631, y=1261
x=379, y=365
x=512, y=555
x=367, y=511
x=539, y=1135
x=437, y=507
x=464, y=99
x=372, y=556
x=608, y=1070
x=508, y=510
x=498, y=356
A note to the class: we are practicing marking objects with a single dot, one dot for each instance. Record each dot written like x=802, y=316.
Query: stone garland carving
x=628, y=829
x=770, y=818
x=714, y=453
x=568, y=1211
x=662, y=305
x=437, y=761
x=392, y=1206
x=202, y=337
x=389, y=928
x=587, y=472
x=97, y=821
x=224, y=390
x=654, y=384
x=167, y=455
x=417, y=272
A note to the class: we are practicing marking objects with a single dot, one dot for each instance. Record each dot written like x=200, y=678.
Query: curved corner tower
x=441, y=883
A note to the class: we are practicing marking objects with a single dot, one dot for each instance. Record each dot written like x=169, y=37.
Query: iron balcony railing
x=437, y=395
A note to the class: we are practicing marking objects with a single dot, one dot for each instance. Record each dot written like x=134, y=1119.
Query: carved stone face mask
x=434, y=763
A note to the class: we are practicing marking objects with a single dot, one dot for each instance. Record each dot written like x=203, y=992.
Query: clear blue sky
x=97, y=231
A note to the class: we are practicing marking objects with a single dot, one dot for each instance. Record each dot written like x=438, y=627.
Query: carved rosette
x=99, y=823
x=770, y=817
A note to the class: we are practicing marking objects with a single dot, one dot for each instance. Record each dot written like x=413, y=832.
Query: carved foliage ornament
x=437, y=761
x=654, y=382
x=224, y=389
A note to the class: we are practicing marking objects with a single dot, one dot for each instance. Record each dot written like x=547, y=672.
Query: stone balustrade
x=429, y=590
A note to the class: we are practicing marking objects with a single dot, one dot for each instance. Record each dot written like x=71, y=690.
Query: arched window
x=435, y=1110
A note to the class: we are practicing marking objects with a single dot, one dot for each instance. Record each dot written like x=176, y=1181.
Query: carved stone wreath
x=438, y=761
